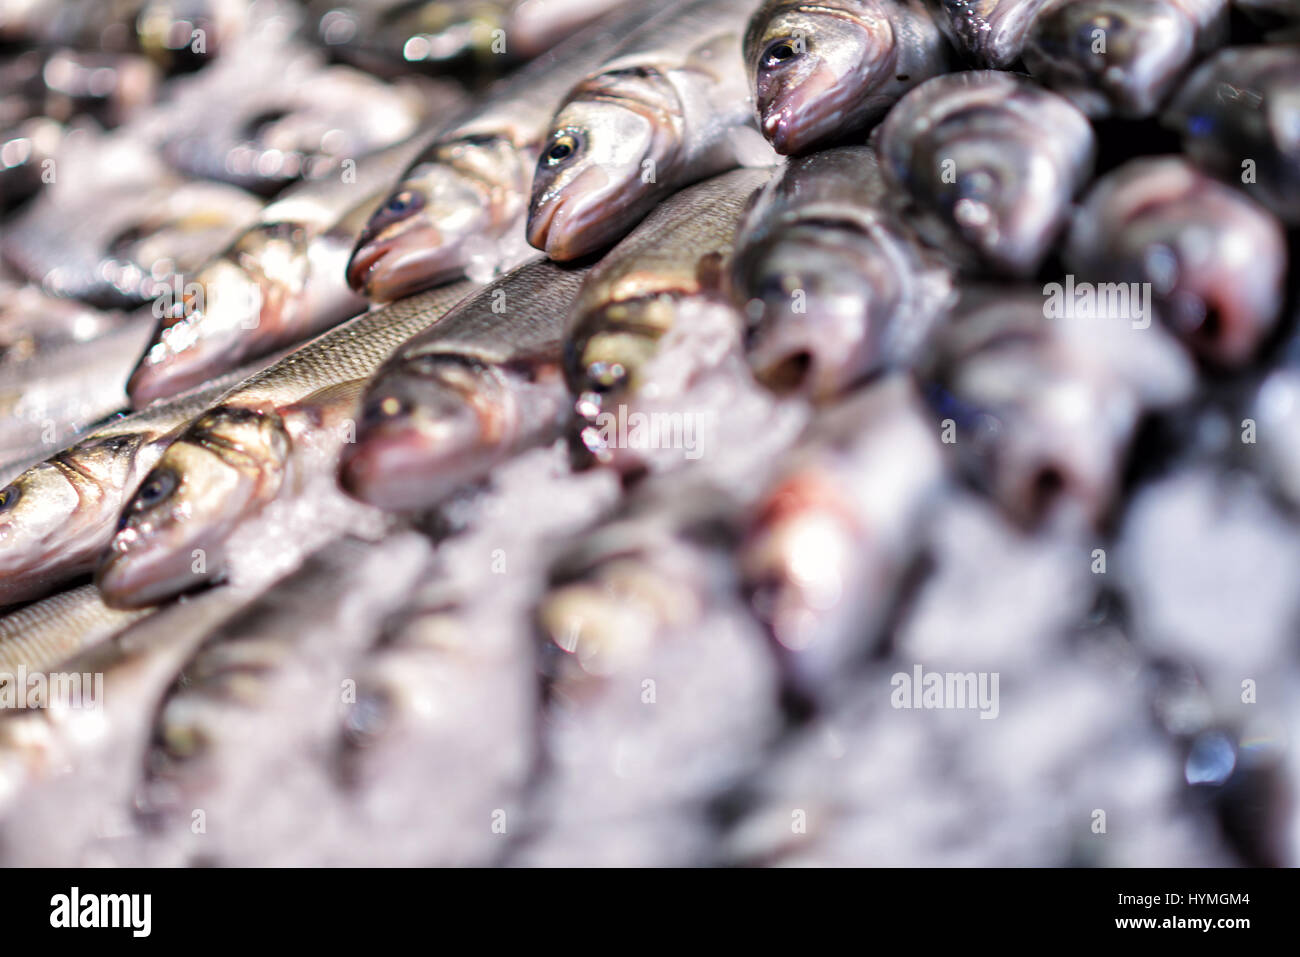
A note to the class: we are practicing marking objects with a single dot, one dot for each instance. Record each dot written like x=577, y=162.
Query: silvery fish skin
x=234, y=459
x=28, y=150
x=671, y=106
x=990, y=32
x=839, y=526
x=833, y=286
x=988, y=163
x=62, y=84
x=1242, y=105
x=1121, y=57
x=1041, y=398
x=477, y=387
x=184, y=34
x=58, y=516
x=463, y=199
x=116, y=225
x=1216, y=261
x=681, y=250
x=33, y=324
x=825, y=72
x=280, y=282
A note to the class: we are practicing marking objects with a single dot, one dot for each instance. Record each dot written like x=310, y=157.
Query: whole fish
x=1214, y=260
x=235, y=458
x=839, y=527
x=34, y=324
x=57, y=517
x=825, y=72
x=115, y=225
x=462, y=201
x=1041, y=394
x=672, y=105
x=1237, y=115
x=833, y=286
x=280, y=282
x=991, y=33
x=987, y=164
x=480, y=385
x=1121, y=57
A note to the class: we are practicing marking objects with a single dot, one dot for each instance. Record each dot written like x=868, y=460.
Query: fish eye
x=156, y=489
x=565, y=145
x=402, y=202
x=782, y=50
x=9, y=496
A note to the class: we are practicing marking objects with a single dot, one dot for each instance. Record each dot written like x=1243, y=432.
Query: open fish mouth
x=387, y=268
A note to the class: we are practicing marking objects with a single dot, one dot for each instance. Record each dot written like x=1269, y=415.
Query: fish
x=476, y=387
x=1121, y=57
x=57, y=517
x=986, y=164
x=34, y=324
x=838, y=528
x=229, y=463
x=1237, y=114
x=63, y=84
x=282, y=281
x=671, y=106
x=27, y=152
x=461, y=203
x=827, y=72
x=991, y=33
x=1040, y=403
x=183, y=35
x=833, y=286
x=1214, y=260
x=115, y=225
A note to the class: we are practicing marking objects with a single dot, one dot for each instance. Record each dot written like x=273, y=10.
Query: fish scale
x=47, y=633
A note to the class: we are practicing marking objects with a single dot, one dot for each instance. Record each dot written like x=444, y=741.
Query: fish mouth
x=384, y=268
x=150, y=382
x=567, y=224
x=145, y=577
x=404, y=467
x=799, y=116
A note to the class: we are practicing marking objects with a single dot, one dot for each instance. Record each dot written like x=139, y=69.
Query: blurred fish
x=1121, y=57
x=1238, y=115
x=184, y=34
x=987, y=164
x=235, y=458
x=1275, y=410
x=62, y=84
x=671, y=106
x=58, y=516
x=834, y=287
x=280, y=282
x=477, y=387
x=462, y=200
x=115, y=226
x=27, y=153
x=34, y=324
x=839, y=527
x=1215, y=261
x=106, y=25
x=989, y=32
x=824, y=73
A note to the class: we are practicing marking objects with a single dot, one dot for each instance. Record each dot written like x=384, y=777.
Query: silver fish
x=477, y=387
x=33, y=323
x=462, y=201
x=1237, y=115
x=64, y=84
x=834, y=287
x=184, y=34
x=825, y=72
x=27, y=153
x=1121, y=57
x=990, y=32
x=280, y=282
x=988, y=163
x=1215, y=261
x=237, y=457
x=671, y=106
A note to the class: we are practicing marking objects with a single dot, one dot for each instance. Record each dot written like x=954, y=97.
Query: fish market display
x=698, y=433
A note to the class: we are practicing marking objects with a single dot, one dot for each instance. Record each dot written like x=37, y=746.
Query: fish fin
x=325, y=408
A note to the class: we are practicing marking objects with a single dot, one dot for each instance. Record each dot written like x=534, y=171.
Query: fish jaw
x=39, y=522
x=171, y=537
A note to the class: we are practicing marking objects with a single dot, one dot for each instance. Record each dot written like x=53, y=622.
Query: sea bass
x=991, y=33
x=825, y=72
x=672, y=105
x=461, y=203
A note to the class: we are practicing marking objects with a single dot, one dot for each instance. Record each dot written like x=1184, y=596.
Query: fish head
x=600, y=170
x=441, y=213
x=609, y=345
x=1120, y=54
x=812, y=65
x=171, y=535
x=422, y=421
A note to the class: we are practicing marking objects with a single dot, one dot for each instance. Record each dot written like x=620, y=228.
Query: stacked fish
x=702, y=432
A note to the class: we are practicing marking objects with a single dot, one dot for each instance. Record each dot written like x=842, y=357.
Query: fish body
x=480, y=385
x=280, y=282
x=826, y=72
x=671, y=106
x=987, y=164
x=989, y=32
x=29, y=149
x=33, y=323
x=1214, y=260
x=1238, y=114
x=833, y=286
x=462, y=201
x=235, y=458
